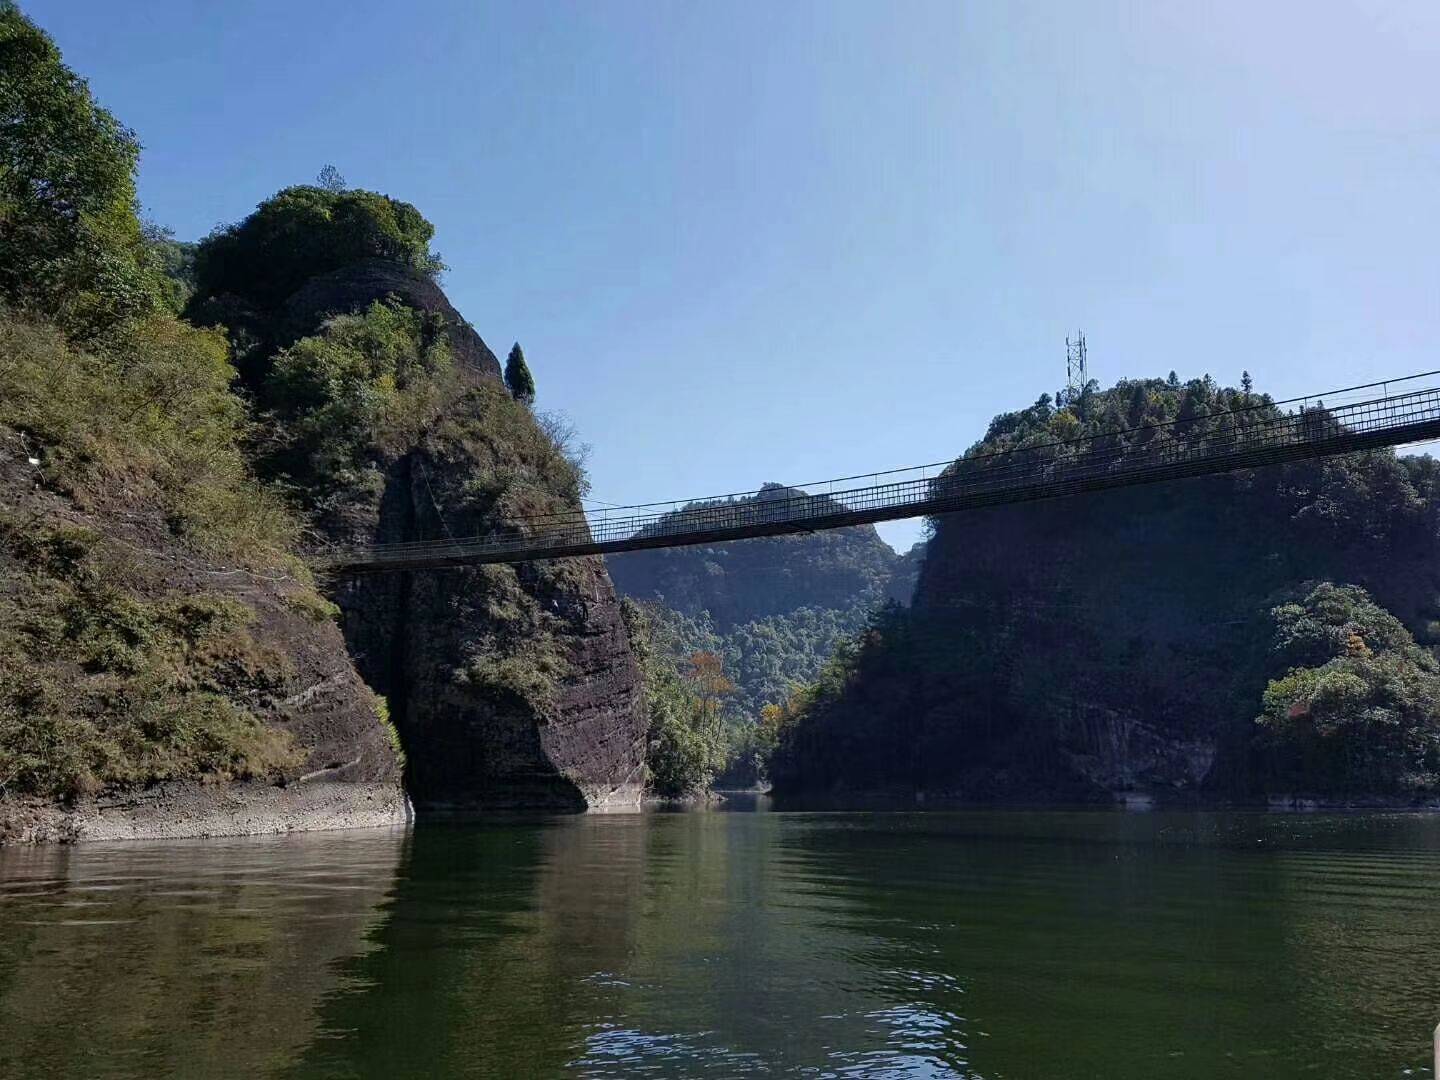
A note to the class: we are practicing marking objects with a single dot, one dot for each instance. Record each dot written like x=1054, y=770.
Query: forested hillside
x=1259, y=632
x=772, y=609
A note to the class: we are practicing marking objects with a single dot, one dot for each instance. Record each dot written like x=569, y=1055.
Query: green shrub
x=358, y=392
x=312, y=606
x=516, y=466
x=524, y=669
x=392, y=733
x=687, y=742
x=151, y=416
x=101, y=687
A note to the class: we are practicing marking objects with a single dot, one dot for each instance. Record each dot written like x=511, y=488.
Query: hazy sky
x=787, y=241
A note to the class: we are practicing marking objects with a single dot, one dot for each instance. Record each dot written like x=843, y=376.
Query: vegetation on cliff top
x=305, y=231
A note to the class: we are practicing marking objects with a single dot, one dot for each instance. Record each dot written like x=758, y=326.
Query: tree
x=330, y=179
x=518, y=377
x=707, y=674
x=1247, y=384
x=72, y=242
x=174, y=261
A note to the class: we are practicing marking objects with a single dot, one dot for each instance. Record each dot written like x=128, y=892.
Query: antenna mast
x=1076, y=372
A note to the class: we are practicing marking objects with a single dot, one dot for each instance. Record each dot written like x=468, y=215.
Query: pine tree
x=518, y=377
x=330, y=179
x=1246, y=383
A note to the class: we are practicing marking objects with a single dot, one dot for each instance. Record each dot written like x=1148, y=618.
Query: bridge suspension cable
x=1390, y=413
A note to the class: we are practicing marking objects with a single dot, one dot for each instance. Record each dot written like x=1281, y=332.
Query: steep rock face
x=292, y=673
x=510, y=686
x=1117, y=642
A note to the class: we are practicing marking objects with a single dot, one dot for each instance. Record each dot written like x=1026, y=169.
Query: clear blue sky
x=784, y=241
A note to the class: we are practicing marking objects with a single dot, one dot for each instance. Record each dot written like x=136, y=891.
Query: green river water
x=1005, y=945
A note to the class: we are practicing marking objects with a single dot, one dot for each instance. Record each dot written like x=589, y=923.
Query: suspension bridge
x=1392, y=413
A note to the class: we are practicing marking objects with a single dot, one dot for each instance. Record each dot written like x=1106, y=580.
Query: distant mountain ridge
x=774, y=609
x=742, y=581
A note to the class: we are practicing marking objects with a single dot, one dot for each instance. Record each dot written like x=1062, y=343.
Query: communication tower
x=1076, y=372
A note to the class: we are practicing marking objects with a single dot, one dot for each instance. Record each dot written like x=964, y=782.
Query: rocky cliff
x=511, y=686
x=1119, y=642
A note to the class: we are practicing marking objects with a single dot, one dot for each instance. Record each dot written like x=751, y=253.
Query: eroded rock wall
x=511, y=686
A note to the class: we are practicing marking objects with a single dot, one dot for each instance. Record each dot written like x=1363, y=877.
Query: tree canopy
x=304, y=231
x=74, y=249
x=1359, y=710
x=366, y=384
x=686, y=743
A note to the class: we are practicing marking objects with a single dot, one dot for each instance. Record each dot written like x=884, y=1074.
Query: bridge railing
x=1265, y=433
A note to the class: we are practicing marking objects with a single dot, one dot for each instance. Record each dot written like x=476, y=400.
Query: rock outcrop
x=353, y=288
x=511, y=686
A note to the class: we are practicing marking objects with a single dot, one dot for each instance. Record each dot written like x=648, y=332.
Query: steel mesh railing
x=1267, y=433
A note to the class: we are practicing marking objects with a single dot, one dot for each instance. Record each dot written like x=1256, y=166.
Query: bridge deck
x=1244, y=440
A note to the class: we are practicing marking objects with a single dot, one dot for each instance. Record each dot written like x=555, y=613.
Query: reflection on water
x=191, y=959
x=995, y=945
